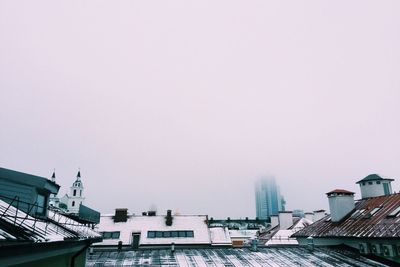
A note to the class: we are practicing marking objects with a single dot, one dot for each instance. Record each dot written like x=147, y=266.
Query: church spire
x=53, y=176
x=78, y=176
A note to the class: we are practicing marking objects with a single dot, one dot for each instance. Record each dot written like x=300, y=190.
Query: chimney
x=121, y=215
x=274, y=220
x=168, y=218
x=341, y=202
x=285, y=219
x=318, y=215
x=374, y=186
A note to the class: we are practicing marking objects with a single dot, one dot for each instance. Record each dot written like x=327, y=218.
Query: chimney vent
x=151, y=213
x=168, y=218
x=341, y=202
x=121, y=215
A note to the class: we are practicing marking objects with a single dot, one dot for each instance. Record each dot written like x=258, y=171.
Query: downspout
x=79, y=253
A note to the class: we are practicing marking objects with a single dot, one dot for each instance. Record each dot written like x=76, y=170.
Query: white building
x=71, y=202
x=159, y=230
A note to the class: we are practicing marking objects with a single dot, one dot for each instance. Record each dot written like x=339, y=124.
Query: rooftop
x=277, y=256
x=340, y=191
x=377, y=217
x=29, y=179
x=373, y=177
x=17, y=226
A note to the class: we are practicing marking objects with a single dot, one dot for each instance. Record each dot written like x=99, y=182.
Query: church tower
x=54, y=200
x=75, y=198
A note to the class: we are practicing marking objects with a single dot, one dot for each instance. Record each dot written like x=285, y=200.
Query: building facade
x=269, y=200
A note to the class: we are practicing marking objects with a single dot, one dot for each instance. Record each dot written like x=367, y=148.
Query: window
x=73, y=203
x=375, y=210
x=74, y=192
x=111, y=235
x=182, y=234
x=41, y=203
x=170, y=234
x=363, y=183
x=174, y=234
x=189, y=234
x=369, y=182
x=159, y=234
x=395, y=212
x=167, y=234
x=378, y=182
x=80, y=193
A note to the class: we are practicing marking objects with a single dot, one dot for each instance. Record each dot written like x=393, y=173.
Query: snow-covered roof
x=234, y=257
x=282, y=237
x=220, y=236
x=243, y=234
x=144, y=224
x=27, y=228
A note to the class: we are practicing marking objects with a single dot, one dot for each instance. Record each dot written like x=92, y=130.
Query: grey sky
x=182, y=104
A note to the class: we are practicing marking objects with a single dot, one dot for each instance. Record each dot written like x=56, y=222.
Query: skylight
x=394, y=212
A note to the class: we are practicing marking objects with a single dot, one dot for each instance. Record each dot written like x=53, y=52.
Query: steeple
x=78, y=176
x=53, y=176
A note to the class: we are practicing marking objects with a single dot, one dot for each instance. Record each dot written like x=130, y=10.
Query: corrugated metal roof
x=264, y=257
x=16, y=225
x=377, y=217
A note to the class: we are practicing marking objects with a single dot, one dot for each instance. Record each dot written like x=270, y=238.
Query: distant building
x=371, y=224
x=72, y=204
x=31, y=232
x=269, y=200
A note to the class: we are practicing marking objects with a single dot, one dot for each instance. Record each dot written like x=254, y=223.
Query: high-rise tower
x=269, y=201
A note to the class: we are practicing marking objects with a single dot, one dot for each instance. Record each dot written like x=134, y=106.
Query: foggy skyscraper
x=269, y=200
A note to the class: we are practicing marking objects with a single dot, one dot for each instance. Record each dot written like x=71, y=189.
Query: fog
x=182, y=104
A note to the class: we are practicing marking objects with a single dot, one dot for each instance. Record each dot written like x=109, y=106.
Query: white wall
x=340, y=205
x=285, y=219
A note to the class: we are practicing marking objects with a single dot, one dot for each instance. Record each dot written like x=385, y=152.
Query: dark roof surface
x=29, y=179
x=373, y=177
x=377, y=217
x=282, y=256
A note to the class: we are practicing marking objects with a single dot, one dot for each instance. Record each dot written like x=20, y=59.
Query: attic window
x=395, y=212
x=328, y=219
x=357, y=214
x=374, y=211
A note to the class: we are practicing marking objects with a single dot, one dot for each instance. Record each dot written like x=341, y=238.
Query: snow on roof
x=376, y=217
x=300, y=224
x=243, y=234
x=143, y=224
x=28, y=228
x=220, y=236
x=282, y=237
x=271, y=256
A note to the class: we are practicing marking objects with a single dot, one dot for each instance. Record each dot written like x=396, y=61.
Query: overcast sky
x=182, y=104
